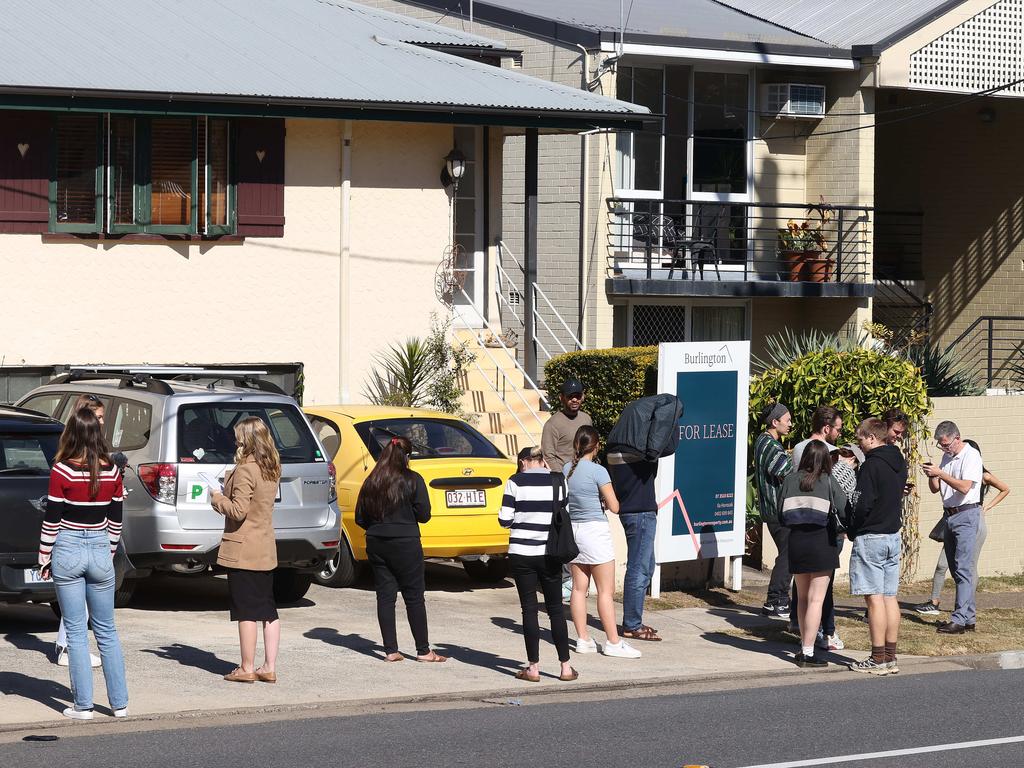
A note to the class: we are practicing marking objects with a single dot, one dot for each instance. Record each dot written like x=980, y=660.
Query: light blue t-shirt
x=584, y=496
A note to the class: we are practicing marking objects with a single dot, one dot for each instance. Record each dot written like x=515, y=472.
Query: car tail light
x=160, y=480
x=177, y=547
x=332, y=495
x=331, y=544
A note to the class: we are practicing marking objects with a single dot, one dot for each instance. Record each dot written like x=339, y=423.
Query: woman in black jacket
x=805, y=502
x=392, y=502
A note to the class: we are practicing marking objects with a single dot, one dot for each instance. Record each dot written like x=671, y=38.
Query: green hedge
x=612, y=378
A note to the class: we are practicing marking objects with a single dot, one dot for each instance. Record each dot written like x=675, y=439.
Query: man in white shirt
x=958, y=479
x=826, y=425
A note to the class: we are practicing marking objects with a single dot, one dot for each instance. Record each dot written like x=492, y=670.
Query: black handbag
x=938, y=533
x=561, y=541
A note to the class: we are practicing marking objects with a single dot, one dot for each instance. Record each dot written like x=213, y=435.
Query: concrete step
x=502, y=422
x=487, y=401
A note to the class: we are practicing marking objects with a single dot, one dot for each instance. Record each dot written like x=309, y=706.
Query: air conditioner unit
x=792, y=100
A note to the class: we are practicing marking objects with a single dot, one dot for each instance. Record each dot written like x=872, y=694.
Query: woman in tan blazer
x=248, y=549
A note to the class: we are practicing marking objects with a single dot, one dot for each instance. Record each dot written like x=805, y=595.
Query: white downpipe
x=344, y=265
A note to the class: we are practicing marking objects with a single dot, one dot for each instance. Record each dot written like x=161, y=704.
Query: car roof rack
x=241, y=379
x=126, y=380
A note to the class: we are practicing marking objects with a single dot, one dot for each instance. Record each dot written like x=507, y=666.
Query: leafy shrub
x=859, y=382
x=612, y=378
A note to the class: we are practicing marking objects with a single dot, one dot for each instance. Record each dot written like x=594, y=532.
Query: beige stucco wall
x=994, y=423
x=267, y=300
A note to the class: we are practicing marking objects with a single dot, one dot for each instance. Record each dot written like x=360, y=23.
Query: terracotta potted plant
x=801, y=245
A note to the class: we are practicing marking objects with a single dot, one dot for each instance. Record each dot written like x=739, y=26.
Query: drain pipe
x=344, y=271
x=584, y=266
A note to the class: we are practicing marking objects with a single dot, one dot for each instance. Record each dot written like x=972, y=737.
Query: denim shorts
x=875, y=564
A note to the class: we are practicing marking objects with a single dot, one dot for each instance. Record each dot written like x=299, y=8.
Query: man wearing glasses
x=958, y=479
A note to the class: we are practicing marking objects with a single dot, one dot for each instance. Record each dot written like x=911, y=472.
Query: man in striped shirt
x=771, y=465
x=526, y=509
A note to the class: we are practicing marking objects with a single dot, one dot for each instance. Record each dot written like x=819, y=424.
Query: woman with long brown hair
x=81, y=529
x=809, y=501
x=392, y=502
x=590, y=494
x=248, y=549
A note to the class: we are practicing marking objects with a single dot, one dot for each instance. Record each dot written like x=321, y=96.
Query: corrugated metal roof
x=337, y=51
x=844, y=23
x=684, y=19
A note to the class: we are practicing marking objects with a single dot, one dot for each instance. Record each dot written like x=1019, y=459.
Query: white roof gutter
x=738, y=57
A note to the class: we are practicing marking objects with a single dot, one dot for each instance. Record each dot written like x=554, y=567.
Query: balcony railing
x=724, y=241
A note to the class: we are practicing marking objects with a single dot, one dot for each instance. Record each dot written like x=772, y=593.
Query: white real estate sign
x=702, y=488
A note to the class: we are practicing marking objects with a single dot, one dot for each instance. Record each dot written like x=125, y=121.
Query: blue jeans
x=961, y=545
x=83, y=572
x=639, y=528
x=875, y=564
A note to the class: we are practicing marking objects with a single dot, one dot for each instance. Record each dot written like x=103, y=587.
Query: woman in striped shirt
x=81, y=529
x=527, y=509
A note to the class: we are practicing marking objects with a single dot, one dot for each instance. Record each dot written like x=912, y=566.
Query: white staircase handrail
x=526, y=377
x=537, y=293
x=511, y=412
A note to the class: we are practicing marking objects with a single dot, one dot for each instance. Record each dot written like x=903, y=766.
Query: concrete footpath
x=179, y=641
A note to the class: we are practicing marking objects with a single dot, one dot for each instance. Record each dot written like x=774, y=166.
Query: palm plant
x=781, y=349
x=944, y=374
x=401, y=376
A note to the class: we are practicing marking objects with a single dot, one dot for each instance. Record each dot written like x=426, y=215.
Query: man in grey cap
x=560, y=430
x=556, y=442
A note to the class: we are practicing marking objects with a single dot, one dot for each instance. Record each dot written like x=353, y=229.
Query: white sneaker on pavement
x=63, y=661
x=75, y=714
x=122, y=712
x=586, y=646
x=835, y=643
x=621, y=650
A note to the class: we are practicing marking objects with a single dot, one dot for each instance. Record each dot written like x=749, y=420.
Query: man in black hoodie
x=874, y=527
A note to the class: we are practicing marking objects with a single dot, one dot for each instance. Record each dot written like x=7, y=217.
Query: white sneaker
x=63, y=661
x=586, y=646
x=76, y=714
x=123, y=712
x=622, y=650
x=835, y=643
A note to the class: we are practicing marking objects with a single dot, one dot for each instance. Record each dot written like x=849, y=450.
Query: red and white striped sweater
x=70, y=506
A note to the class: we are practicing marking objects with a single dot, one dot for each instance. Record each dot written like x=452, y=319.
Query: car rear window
x=27, y=454
x=430, y=438
x=206, y=432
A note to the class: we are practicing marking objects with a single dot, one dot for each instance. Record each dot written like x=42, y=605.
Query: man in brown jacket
x=560, y=431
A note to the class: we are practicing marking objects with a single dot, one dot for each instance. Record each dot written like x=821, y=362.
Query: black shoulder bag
x=561, y=542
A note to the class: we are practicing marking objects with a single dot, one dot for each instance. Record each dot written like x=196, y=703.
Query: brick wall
x=964, y=174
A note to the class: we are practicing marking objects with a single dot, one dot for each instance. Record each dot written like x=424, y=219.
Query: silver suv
x=172, y=425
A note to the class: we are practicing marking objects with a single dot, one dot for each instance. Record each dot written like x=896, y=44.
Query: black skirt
x=812, y=549
x=252, y=595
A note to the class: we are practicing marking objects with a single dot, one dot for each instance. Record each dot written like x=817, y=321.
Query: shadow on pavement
x=27, y=642
x=28, y=617
x=443, y=577
x=353, y=642
x=178, y=592
x=479, y=658
x=189, y=656
x=47, y=692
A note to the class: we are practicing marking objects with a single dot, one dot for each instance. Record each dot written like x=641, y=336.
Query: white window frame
x=724, y=197
x=641, y=194
x=471, y=316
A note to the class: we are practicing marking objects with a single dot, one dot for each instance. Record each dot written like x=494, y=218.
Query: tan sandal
x=574, y=675
x=238, y=676
x=433, y=658
x=522, y=674
x=644, y=633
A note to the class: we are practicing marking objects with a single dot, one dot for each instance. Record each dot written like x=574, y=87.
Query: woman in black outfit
x=391, y=504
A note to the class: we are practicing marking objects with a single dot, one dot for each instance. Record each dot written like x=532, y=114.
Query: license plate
x=476, y=498
x=32, y=576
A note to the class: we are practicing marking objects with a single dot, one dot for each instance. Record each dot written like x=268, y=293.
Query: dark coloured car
x=28, y=443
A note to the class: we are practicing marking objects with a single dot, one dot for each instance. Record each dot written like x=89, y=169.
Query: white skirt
x=594, y=539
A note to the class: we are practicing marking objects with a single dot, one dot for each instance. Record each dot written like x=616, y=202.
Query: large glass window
x=720, y=132
x=639, y=152
x=430, y=438
x=165, y=175
x=206, y=432
x=466, y=226
x=27, y=454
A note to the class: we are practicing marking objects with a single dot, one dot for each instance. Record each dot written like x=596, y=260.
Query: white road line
x=891, y=753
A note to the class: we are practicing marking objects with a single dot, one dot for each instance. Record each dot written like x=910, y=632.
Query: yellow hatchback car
x=465, y=476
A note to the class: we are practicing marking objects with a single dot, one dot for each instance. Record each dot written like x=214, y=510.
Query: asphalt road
x=780, y=726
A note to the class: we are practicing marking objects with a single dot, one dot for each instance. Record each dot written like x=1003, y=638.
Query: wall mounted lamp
x=454, y=168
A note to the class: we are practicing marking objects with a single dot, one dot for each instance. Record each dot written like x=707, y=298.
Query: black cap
x=572, y=386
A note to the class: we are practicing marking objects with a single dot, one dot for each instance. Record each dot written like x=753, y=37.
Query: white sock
x=808, y=650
